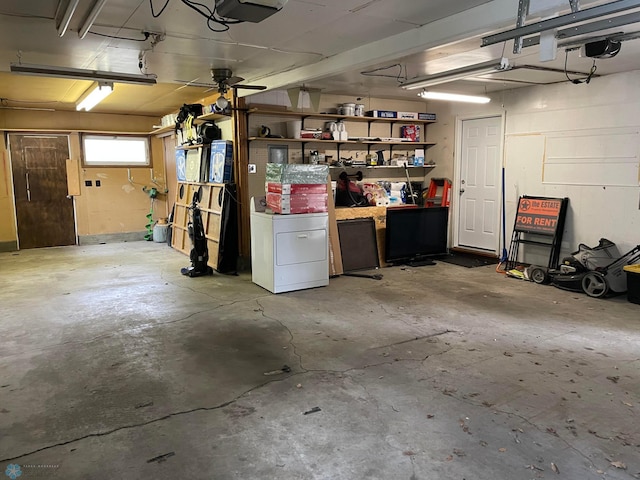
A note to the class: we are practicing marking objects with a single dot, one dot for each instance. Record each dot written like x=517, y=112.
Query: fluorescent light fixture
x=94, y=96
x=80, y=74
x=454, y=97
x=66, y=18
x=493, y=66
x=93, y=14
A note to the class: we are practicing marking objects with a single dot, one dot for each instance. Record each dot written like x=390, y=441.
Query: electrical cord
x=153, y=14
x=577, y=81
x=146, y=36
x=399, y=77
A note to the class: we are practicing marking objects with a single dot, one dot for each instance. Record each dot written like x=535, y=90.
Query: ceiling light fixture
x=66, y=18
x=493, y=66
x=454, y=97
x=94, y=96
x=222, y=102
x=80, y=74
x=93, y=14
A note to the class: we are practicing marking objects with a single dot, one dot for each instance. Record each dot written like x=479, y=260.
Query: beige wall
x=119, y=205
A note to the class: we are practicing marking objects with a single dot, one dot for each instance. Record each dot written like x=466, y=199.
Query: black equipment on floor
x=199, y=255
x=595, y=271
x=539, y=222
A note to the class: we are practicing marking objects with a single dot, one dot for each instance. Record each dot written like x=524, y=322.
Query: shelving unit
x=207, y=117
x=338, y=143
x=410, y=167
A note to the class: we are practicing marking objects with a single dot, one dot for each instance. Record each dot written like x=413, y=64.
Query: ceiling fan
x=223, y=80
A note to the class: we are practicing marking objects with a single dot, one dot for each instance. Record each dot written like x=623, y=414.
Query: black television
x=414, y=235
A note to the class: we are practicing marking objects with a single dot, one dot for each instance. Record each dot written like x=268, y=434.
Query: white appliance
x=289, y=252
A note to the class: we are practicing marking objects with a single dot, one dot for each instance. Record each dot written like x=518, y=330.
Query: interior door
x=480, y=167
x=44, y=214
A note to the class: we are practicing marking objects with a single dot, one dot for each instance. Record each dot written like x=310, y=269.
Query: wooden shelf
x=333, y=116
x=162, y=130
x=207, y=117
x=339, y=142
x=379, y=166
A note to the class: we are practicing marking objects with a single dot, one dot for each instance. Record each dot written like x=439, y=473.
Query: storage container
x=633, y=283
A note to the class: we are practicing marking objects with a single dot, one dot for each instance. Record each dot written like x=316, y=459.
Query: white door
x=479, y=184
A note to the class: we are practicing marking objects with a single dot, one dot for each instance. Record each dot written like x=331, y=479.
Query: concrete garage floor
x=113, y=365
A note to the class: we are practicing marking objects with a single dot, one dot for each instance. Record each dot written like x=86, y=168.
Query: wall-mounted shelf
x=338, y=143
x=207, y=117
x=379, y=166
x=333, y=116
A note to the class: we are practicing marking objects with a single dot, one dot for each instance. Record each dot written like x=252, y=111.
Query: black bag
x=208, y=132
x=348, y=194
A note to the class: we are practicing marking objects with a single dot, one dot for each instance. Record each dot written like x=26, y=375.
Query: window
x=115, y=151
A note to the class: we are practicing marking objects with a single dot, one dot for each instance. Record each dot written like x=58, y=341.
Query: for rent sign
x=538, y=215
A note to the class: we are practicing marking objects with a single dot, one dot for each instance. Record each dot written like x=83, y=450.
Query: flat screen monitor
x=415, y=234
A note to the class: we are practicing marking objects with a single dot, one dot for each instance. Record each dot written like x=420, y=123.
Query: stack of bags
x=297, y=188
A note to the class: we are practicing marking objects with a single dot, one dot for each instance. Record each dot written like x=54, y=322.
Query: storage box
x=418, y=159
x=197, y=164
x=427, y=116
x=221, y=170
x=181, y=165
x=633, y=283
x=297, y=203
x=382, y=114
x=412, y=132
x=307, y=133
x=296, y=173
x=296, y=188
x=408, y=115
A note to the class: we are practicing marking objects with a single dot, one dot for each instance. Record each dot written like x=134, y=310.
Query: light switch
x=252, y=168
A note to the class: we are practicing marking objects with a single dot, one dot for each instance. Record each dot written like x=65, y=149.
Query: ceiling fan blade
x=233, y=80
x=194, y=84
x=250, y=87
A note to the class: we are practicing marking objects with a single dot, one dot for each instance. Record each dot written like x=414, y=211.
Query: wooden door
x=44, y=214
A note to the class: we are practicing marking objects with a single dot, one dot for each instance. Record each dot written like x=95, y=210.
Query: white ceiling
x=318, y=43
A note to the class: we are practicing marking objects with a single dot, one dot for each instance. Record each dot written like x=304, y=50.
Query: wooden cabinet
x=218, y=205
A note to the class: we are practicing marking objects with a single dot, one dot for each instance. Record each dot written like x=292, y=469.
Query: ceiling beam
x=491, y=16
x=562, y=21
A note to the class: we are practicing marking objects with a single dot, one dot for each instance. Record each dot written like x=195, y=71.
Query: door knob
x=461, y=191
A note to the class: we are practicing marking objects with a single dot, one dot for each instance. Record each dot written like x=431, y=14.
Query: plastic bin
x=633, y=283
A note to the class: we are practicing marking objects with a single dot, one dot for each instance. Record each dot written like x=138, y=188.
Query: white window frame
x=127, y=162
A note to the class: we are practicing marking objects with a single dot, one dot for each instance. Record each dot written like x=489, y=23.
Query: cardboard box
x=382, y=114
x=296, y=173
x=315, y=134
x=412, y=132
x=408, y=115
x=221, y=170
x=296, y=188
x=193, y=168
x=426, y=116
x=297, y=203
x=418, y=159
x=181, y=165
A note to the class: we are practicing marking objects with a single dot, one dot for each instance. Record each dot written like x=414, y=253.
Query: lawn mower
x=595, y=271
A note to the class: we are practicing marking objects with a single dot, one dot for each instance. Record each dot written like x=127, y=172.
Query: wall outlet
x=252, y=168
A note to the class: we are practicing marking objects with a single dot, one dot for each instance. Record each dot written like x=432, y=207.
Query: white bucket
x=160, y=232
x=293, y=128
